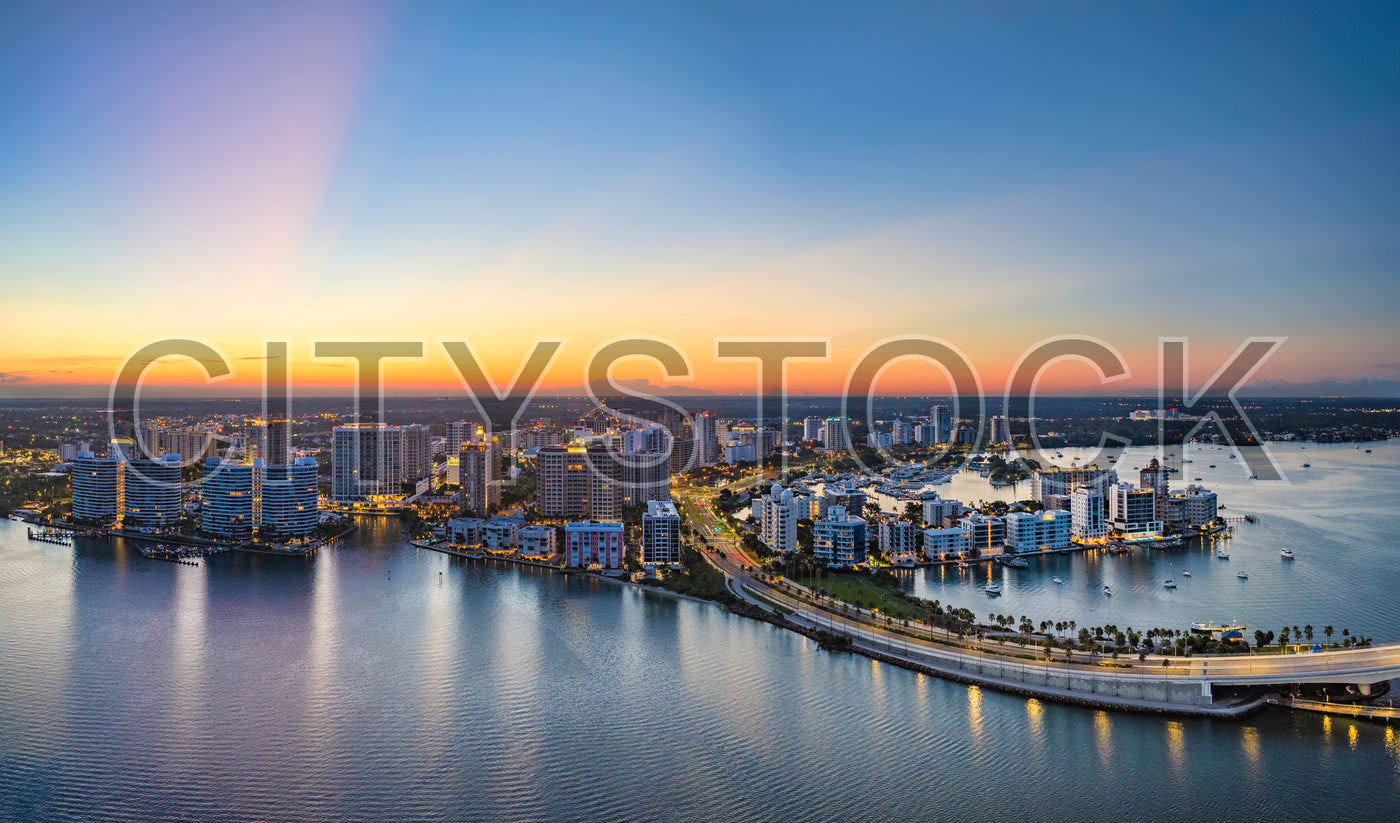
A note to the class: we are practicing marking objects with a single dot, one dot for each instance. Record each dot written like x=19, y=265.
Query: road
x=726, y=553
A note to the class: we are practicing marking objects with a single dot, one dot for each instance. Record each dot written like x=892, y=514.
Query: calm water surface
x=375, y=682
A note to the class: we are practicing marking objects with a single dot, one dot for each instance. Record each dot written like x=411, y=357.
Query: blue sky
x=989, y=172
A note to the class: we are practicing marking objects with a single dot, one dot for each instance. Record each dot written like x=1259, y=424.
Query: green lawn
x=861, y=591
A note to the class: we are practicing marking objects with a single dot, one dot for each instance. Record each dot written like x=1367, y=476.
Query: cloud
x=10, y=377
x=1395, y=366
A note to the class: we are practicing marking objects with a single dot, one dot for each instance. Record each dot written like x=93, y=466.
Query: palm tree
x=1327, y=630
x=1307, y=631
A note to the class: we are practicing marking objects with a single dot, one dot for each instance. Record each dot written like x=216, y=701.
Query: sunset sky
x=988, y=173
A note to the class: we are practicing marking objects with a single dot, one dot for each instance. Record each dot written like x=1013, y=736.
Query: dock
x=1366, y=711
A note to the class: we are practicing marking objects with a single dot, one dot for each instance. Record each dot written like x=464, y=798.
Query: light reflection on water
x=330, y=689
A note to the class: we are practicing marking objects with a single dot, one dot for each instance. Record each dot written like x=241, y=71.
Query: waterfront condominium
x=1043, y=531
x=479, y=466
x=96, y=483
x=375, y=462
x=839, y=539
x=661, y=533
x=1132, y=510
x=151, y=493
x=1088, y=515
x=588, y=543
x=778, y=527
x=1062, y=482
x=239, y=499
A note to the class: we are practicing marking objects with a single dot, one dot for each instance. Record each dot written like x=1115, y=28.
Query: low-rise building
x=952, y=542
x=538, y=542
x=589, y=543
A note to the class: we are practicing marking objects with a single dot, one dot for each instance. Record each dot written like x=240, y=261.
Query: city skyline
x=988, y=176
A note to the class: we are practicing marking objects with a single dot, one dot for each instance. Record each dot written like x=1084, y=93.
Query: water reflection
x=1103, y=731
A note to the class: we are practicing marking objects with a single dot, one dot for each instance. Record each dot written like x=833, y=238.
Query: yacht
x=1286, y=554
x=1186, y=574
x=1107, y=590
x=1242, y=576
x=1222, y=554
x=993, y=588
x=1169, y=584
x=1057, y=581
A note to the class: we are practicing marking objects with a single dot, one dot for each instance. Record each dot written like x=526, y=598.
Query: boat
x=1013, y=562
x=1169, y=584
x=992, y=588
x=1107, y=590
x=1212, y=465
x=1187, y=460
x=1221, y=554
x=1057, y=581
x=1216, y=631
x=1286, y=554
x=1307, y=465
x=1242, y=576
x=1186, y=574
x=1198, y=480
x=1368, y=451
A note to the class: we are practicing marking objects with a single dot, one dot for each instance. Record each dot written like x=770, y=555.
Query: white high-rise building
x=942, y=419
x=1132, y=510
x=839, y=539
x=901, y=433
x=812, y=428
x=780, y=516
x=1088, y=515
x=1046, y=531
x=1001, y=430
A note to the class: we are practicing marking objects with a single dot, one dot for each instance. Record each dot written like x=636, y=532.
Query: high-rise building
x=1132, y=510
x=289, y=499
x=96, y=484
x=1156, y=477
x=1042, y=531
x=661, y=533
x=835, y=434
x=230, y=498
x=926, y=434
x=151, y=493
x=778, y=528
x=277, y=432
x=812, y=429
x=706, y=442
x=942, y=419
x=480, y=472
x=1057, y=481
x=1001, y=429
x=1193, y=508
x=839, y=539
x=367, y=463
x=897, y=537
x=901, y=433
x=1088, y=514
x=416, y=452
x=984, y=531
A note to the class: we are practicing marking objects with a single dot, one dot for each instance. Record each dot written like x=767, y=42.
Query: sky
x=992, y=174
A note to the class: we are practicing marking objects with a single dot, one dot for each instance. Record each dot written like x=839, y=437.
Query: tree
x=1258, y=638
x=1283, y=638
x=1307, y=631
x=1327, y=630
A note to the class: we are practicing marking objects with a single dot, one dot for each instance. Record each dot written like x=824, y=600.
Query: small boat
x=1107, y=590
x=1169, y=584
x=1242, y=576
x=1057, y=581
x=1307, y=465
x=1286, y=554
x=1221, y=554
x=1368, y=451
x=1212, y=465
x=1186, y=574
x=992, y=588
x=1198, y=479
